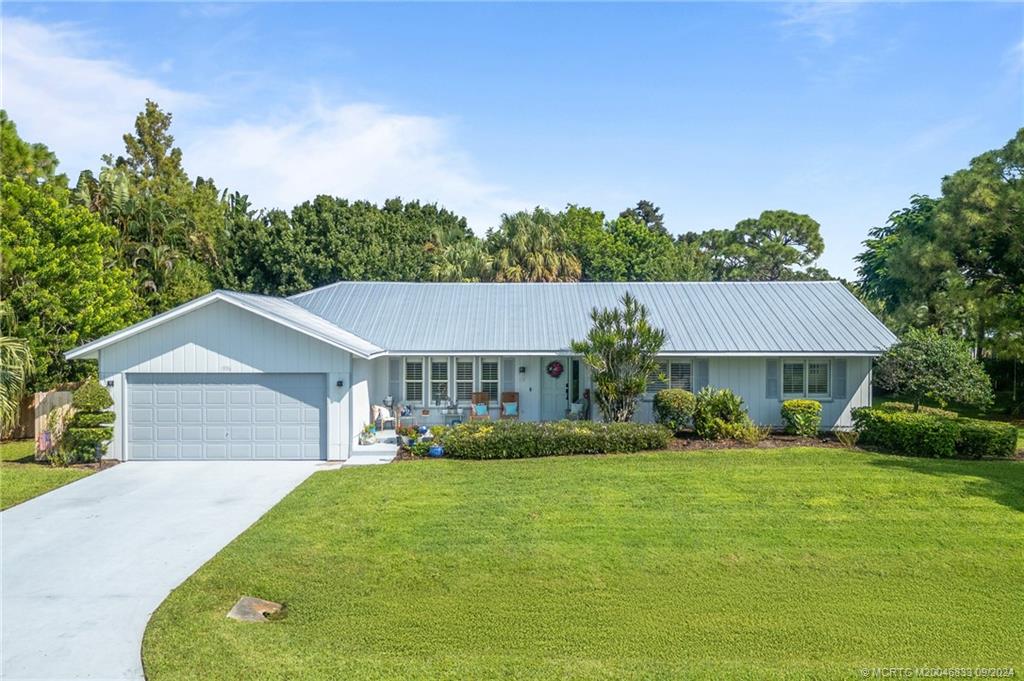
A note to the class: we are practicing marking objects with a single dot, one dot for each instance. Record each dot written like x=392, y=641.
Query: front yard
x=744, y=563
x=22, y=478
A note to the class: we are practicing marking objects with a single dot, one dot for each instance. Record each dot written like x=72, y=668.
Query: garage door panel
x=264, y=451
x=191, y=397
x=265, y=398
x=237, y=415
x=167, y=450
x=226, y=416
x=165, y=415
x=240, y=397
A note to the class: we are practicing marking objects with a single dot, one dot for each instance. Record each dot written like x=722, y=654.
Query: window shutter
x=700, y=374
x=508, y=374
x=771, y=379
x=839, y=378
x=395, y=378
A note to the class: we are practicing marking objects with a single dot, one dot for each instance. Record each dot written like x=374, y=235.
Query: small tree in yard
x=621, y=350
x=90, y=429
x=926, y=364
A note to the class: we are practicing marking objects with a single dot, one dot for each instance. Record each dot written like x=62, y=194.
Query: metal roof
x=755, y=318
x=278, y=310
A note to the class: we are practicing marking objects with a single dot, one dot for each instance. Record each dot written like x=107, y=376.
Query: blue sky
x=713, y=111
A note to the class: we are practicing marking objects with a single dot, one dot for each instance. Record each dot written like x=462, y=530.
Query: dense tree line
x=955, y=263
x=139, y=236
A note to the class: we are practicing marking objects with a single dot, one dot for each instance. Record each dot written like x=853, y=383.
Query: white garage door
x=226, y=416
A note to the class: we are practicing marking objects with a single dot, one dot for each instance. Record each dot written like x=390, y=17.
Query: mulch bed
x=773, y=441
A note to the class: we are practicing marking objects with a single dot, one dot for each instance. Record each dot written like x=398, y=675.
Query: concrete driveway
x=84, y=566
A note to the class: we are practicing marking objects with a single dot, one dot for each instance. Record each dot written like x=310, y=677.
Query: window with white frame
x=489, y=378
x=414, y=380
x=806, y=378
x=439, y=381
x=463, y=380
x=671, y=375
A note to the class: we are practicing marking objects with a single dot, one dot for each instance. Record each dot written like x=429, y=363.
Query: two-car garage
x=225, y=416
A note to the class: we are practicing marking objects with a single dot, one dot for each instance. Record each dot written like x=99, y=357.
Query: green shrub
x=673, y=408
x=979, y=438
x=519, y=439
x=89, y=431
x=423, y=445
x=929, y=434
x=719, y=414
x=91, y=397
x=750, y=433
x=86, y=419
x=902, y=432
x=802, y=417
x=906, y=406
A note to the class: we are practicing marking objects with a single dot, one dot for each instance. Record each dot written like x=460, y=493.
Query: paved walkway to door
x=84, y=566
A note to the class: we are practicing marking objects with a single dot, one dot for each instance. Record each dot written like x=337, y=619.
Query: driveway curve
x=84, y=566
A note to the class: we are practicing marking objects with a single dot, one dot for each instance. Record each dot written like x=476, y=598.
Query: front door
x=554, y=388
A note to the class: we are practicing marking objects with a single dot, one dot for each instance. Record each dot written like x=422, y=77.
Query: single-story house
x=242, y=376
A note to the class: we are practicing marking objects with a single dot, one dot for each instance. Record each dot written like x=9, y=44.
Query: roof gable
x=278, y=310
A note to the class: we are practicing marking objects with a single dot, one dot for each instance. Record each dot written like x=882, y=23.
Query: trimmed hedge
x=89, y=431
x=802, y=417
x=934, y=435
x=979, y=438
x=907, y=406
x=673, y=408
x=520, y=439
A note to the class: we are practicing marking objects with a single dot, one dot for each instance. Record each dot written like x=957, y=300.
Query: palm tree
x=15, y=368
x=464, y=260
x=532, y=247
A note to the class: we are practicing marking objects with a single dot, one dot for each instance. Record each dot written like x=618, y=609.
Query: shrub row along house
x=242, y=376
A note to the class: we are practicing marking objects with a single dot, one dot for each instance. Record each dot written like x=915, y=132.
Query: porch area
x=430, y=390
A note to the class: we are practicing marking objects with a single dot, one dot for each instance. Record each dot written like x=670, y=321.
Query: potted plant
x=368, y=436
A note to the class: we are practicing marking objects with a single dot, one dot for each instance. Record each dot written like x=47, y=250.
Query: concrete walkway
x=84, y=566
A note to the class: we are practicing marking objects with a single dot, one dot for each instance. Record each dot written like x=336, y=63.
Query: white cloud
x=78, y=105
x=824, y=21
x=358, y=151
x=1015, y=58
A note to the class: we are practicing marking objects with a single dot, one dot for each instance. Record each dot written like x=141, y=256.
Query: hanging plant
x=555, y=369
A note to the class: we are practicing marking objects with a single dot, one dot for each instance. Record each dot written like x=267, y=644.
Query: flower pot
x=436, y=451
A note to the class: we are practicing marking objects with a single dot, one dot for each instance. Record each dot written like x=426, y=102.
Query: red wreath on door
x=555, y=369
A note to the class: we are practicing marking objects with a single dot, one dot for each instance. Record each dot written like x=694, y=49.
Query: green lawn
x=21, y=478
x=758, y=563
